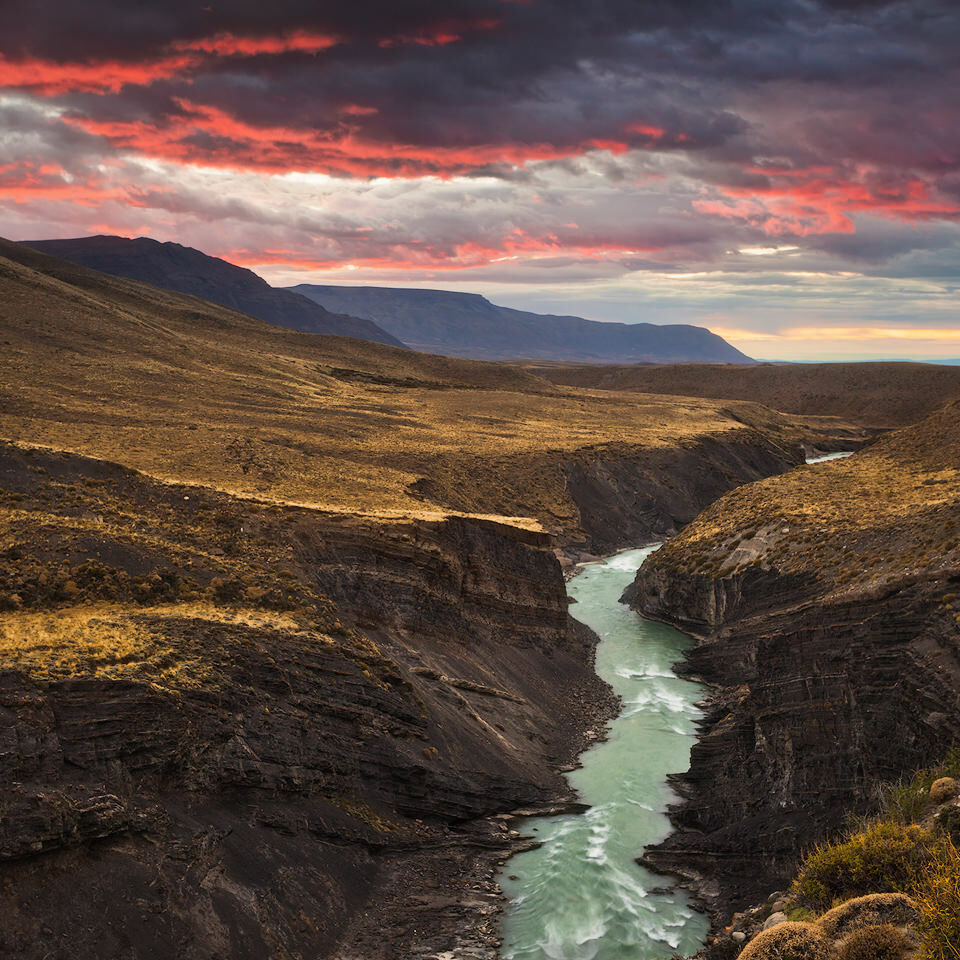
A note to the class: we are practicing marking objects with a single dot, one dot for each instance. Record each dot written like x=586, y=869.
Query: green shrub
x=885, y=942
x=884, y=857
x=948, y=823
x=907, y=802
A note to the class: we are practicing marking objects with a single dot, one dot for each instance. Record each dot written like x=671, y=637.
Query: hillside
x=188, y=391
x=185, y=270
x=468, y=325
x=825, y=604
x=881, y=394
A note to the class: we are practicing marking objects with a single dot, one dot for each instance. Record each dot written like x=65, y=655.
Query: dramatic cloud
x=741, y=163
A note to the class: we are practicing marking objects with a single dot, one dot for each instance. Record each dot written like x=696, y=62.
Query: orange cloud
x=803, y=202
x=239, y=145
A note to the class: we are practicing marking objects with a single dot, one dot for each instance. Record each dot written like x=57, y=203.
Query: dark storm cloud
x=469, y=74
x=549, y=138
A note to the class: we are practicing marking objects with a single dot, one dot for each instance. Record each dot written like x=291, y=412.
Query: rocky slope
x=469, y=325
x=824, y=605
x=235, y=729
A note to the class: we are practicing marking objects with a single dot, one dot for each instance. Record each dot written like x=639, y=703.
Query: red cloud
x=227, y=45
x=518, y=244
x=28, y=182
x=48, y=78
x=440, y=34
x=231, y=143
x=818, y=200
x=648, y=132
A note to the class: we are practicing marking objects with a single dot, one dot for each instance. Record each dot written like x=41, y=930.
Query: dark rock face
x=287, y=788
x=468, y=325
x=815, y=703
x=627, y=496
x=172, y=266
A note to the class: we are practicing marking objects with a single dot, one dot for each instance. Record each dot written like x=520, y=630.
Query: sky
x=784, y=172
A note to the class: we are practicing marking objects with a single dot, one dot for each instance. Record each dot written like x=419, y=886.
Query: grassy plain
x=883, y=394
x=184, y=390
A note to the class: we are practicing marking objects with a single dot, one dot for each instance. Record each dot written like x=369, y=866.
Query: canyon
x=284, y=624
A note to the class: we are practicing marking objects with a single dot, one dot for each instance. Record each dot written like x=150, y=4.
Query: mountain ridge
x=173, y=266
x=469, y=325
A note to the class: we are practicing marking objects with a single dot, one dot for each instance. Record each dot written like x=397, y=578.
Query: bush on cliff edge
x=883, y=857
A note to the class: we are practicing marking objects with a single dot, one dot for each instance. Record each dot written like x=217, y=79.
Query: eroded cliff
x=237, y=729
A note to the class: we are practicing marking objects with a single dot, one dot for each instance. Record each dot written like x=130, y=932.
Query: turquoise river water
x=581, y=895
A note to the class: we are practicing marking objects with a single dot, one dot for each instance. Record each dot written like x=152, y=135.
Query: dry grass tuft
x=789, y=941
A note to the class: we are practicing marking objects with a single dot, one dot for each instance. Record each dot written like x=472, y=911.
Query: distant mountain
x=468, y=325
x=171, y=266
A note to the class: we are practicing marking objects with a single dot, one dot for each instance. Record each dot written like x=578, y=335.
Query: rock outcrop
x=627, y=495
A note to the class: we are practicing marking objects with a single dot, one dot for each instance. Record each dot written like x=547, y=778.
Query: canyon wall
x=822, y=601
x=238, y=729
x=625, y=495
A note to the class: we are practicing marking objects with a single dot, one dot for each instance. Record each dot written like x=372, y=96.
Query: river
x=581, y=895
x=839, y=455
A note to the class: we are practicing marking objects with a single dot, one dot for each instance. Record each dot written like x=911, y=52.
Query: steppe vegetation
x=908, y=847
x=882, y=395
x=191, y=392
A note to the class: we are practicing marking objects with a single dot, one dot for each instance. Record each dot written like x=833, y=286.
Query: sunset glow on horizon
x=787, y=174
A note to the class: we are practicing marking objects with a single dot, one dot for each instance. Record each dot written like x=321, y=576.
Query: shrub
x=938, y=902
x=873, y=910
x=885, y=942
x=884, y=857
x=908, y=802
x=789, y=941
x=948, y=823
x=943, y=789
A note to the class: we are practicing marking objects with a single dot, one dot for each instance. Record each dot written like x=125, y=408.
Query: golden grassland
x=889, y=511
x=187, y=391
x=876, y=394
x=105, y=574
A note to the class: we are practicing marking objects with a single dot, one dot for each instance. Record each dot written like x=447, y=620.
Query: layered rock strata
x=238, y=729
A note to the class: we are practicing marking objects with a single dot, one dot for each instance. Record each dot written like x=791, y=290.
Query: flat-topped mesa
x=824, y=603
